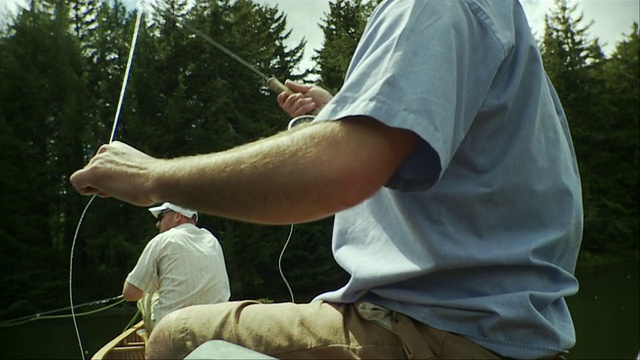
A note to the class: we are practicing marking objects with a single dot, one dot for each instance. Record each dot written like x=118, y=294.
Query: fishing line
x=45, y=315
x=125, y=79
x=293, y=123
x=132, y=321
x=127, y=71
x=73, y=245
x=280, y=264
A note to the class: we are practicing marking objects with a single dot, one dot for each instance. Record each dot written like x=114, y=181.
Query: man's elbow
x=131, y=293
x=129, y=297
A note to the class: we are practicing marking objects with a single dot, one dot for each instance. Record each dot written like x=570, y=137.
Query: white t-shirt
x=185, y=266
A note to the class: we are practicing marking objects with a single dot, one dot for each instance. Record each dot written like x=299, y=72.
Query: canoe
x=130, y=345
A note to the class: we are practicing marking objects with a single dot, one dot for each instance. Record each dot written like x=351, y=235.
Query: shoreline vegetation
x=587, y=258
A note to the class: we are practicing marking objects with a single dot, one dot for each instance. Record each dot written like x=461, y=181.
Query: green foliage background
x=61, y=69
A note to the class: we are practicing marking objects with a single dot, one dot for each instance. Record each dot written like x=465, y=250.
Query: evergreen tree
x=618, y=166
x=342, y=30
x=41, y=94
x=572, y=63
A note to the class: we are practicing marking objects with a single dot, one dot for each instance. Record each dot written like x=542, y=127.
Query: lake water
x=605, y=312
x=56, y=339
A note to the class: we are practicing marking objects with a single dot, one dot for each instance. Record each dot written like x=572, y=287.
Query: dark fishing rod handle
x=276, y=86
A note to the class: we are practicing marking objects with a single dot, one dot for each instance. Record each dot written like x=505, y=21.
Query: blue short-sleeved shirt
x=478, y=231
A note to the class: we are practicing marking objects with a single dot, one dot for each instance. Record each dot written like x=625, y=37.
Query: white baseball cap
x=173, y=207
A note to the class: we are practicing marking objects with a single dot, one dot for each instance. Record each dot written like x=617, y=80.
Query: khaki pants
x=316, y=330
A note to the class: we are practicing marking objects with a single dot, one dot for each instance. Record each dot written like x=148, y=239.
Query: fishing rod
x=271, y=81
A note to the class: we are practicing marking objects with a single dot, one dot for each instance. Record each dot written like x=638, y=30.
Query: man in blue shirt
x=447, y=161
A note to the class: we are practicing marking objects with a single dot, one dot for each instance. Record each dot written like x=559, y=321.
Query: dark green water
x=605, y=312
x=56, y=339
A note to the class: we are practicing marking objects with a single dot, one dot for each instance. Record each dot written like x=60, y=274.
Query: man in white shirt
x=181, y=266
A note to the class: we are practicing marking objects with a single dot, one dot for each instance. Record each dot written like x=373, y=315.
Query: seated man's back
x=181, y=266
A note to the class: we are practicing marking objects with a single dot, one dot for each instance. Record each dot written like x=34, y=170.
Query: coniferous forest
x=61, y=68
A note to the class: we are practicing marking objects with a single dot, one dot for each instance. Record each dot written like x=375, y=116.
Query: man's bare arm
x=296, y=176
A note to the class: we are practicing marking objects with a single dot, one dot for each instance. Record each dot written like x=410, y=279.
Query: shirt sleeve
x=425, y=66
x=144, y=275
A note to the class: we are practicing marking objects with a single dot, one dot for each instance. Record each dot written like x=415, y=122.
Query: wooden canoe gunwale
x=128, y=345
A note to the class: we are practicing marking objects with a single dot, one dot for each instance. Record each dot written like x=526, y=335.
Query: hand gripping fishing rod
x=274, y=84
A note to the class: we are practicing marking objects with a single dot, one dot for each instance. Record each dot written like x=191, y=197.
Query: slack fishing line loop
x=125, y=79
x=293, y=123
x=73, y=245
x=293, y=300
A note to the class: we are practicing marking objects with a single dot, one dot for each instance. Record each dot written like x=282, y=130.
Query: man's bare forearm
x=294, y=177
